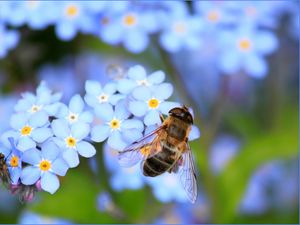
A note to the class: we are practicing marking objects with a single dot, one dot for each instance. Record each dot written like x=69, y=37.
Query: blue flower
x=122, y=178
x=74, y=113
x=132, y=28
x=245, y=49
x=5, y=112
x=8, y=40
x=104, y=202
x=28, y=130
x=117, y=128
x=71, y=140
x=150, y=103
x=33, y=218
x=44, y=100
x=97, y=95
x=181, y=32
x=167, y=188
x=136, y=76
x=14, y=162
x=44, y=165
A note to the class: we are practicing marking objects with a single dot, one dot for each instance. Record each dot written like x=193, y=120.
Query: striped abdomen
x=161, y=162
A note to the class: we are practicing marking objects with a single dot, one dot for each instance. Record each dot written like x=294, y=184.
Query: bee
x=166, y=149
x=4, y=173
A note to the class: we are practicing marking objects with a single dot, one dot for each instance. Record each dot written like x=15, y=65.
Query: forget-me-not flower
x=44, y=165
x=28, y=130
x=116, y=127
x=74, y=113
x=137, y=76
x=70, y=138
x=245, y=49
x=150, y=102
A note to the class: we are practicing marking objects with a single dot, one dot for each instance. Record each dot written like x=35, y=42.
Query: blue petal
x=115, y=141
x=15, y=174
x=138, y=108
x=80, y=130
x=156, y=77
x=142, y=93
x=93, y=87
x=137, y=73
x=133, y=124
x=125, y=86
x=85, y=149
x=265, y=42
x=53, y=108
x=256, y=66
x=166, y=106
x=100, y=133
x=91, y=100
x=30, y=175
x=39, y=119
x=121, y=111
x=41, y=134
x=131, y=135
x=136, y=41
x=22, y=105
x=230, y=62
x=152, y=118
x=11, y=133
x=163, y=91
x=86, y=117
x=194, y=134
x=76, y=104
x=49, y=182
x=18, y=121
x=63, y=111
x=170, y=42
x=65, y=31
x=60, y=167
x=60, y=128
x=32, y=156
x=110, y=88
x=71, y=157
x=25, y=143
x=114, y=99
x=104, y=112
x=50, y=151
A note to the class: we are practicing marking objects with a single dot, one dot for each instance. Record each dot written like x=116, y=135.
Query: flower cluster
x=242, y=32
x=46, y=137
x=44, y=141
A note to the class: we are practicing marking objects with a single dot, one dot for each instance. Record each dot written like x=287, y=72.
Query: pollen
x=45, y=165
x=213, y=16
x=153, y=103
x=244, y=44
x=72, y=117
x=115, y=124
x=145, y=150
x=103, y=98
x=180, y=27
x=72, y=11
x=71, y=142
x=129, y=20
x=26, y=130
x=14, y=161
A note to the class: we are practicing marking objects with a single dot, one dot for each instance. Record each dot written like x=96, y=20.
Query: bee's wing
x=187, y=174
x=133, y=153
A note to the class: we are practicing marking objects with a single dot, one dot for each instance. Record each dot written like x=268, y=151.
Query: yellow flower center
x=71, y=142
x=115, y=124
x=26, y=130
x=14, y=161
x=72, y=11
x=45, y=165
x=180, y=27
x=35, y=108
x=72, y=117
x=153, y=103
x=103, y=98
x=244, y=44
x=213, y=16
x=129, y=20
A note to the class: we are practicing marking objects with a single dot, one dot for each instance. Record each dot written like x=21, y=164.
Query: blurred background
x=236, y=63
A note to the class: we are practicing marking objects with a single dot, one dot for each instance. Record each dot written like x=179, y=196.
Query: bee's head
x=182, y=113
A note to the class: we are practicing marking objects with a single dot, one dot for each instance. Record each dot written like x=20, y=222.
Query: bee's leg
x=161, y=118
